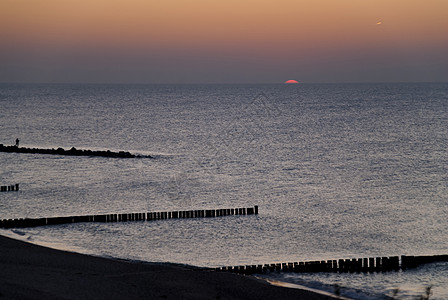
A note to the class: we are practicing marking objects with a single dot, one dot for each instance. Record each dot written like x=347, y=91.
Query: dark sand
x=29, y=271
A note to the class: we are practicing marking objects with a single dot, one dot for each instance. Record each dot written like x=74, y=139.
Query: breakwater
x=9, y=188
x=126, y=217
x=371, y=264
x=72, y=152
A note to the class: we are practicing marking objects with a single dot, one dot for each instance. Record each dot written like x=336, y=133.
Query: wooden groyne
x=9, y=188
x=126, y=217
x=371, y=264
x=72, y=152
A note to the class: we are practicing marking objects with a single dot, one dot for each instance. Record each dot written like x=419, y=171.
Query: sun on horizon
x=291, y=81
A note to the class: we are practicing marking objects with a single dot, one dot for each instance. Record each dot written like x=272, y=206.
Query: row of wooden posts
x=371, y=264
x=148, y=216
x=9, y=188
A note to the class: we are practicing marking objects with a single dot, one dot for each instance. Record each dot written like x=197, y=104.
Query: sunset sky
x=205, y=41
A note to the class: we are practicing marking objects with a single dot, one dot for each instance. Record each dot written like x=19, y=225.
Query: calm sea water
x=338, y=171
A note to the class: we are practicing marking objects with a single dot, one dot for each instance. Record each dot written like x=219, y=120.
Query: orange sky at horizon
x=275, y=33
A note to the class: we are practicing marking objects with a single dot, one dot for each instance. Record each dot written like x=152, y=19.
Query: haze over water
x=338, y=171
x=137, y=41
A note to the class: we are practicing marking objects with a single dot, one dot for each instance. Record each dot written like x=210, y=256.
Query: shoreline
x=31, y=271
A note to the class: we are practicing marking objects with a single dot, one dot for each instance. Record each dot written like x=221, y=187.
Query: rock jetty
x=72, y=152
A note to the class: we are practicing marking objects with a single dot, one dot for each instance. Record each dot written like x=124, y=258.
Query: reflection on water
x=337, y=171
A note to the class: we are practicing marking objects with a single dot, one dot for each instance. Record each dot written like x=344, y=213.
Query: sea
x=337, y=171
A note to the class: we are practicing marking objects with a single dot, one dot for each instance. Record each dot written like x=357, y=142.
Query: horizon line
x=217, y=83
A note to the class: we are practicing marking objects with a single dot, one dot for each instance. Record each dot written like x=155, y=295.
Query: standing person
x=17, y=143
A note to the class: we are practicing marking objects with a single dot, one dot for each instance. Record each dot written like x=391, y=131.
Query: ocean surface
x=337, y=170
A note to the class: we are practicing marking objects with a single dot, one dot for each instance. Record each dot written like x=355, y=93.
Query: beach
x=35, y=272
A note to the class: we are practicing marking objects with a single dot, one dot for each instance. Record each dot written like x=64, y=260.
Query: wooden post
x=341, y=265
x=325, y=266
x=334, y=265
x=329, y=266
x=385, y=264
x=318, y=266
x=378, y=263
x=406, y=261
x=284, y=266
x=248, y=270
x=394, y=263
x=365, y=264
x=290, y=267
x=358, y=265
x=371, y=264
x=278, y=267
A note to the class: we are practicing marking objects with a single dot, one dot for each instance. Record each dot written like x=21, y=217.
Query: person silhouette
x=17, y=143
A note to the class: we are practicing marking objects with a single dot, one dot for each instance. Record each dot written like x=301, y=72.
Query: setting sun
x=174, y=42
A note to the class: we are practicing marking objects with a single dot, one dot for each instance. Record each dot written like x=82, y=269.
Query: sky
x=207, y=41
